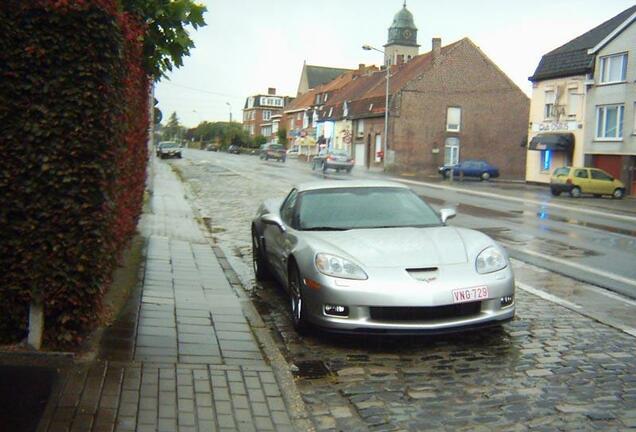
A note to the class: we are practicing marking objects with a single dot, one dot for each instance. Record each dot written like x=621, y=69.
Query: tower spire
x=404, y=3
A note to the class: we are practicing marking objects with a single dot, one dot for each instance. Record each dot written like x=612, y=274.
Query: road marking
x=578, y=308
x=520, y=200
x=578, y=266
x=547, y=296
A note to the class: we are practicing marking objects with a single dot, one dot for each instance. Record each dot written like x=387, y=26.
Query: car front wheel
x=575, y=192
x=258, y=260
x=297, y=305
x=485, y=176
x=618, y=193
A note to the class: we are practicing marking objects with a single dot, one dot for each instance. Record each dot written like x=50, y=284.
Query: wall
x=494, y=119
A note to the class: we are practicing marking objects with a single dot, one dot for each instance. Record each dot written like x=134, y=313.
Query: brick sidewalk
x=187, y=359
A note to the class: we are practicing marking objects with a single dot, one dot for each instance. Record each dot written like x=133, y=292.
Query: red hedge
x=73, y=132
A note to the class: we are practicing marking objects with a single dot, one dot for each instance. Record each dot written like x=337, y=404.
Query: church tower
x=402, y=44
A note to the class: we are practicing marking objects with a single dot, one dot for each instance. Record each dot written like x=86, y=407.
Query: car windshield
x=363, y=208
x=339, y=153
x=168, y=145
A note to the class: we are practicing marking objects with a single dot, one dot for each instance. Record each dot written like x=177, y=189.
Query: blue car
x=470, y=168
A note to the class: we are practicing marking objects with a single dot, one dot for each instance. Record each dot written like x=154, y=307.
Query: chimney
x=271, y=91
x=437, y=47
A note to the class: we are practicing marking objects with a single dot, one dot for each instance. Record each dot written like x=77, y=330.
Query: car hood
x=402, y=247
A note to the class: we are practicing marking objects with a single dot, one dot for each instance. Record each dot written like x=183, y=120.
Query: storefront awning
x=552, y=141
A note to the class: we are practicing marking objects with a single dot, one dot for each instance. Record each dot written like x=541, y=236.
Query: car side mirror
x=447, y=214
x=270, y=219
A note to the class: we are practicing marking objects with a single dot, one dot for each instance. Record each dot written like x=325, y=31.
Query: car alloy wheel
x=299, y=321
x=485, y=176
x=258, y=261
x=575, y=192
x=618, y=193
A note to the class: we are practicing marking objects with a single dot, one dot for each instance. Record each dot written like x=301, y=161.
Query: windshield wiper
x=325, y=228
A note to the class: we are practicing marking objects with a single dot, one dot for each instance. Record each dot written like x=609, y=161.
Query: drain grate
x=311, y=369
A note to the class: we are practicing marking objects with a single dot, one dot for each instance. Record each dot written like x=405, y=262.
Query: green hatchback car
x=577, y=181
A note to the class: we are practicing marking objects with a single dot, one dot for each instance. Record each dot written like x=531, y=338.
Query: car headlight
x=490, y=260
x=332, y=265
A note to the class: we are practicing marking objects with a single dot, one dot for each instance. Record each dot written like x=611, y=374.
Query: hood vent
x=425, y=274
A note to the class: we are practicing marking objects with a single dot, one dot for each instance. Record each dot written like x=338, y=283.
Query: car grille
x=401, y=314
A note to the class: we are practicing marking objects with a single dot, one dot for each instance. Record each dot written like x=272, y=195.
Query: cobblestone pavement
x=549, y=369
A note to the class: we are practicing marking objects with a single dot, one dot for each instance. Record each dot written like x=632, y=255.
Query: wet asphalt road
x=550, y=369
x=590, y=239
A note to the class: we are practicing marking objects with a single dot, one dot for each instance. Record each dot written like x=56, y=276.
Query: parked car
x=212, y=147
x=234, y=149
x=470, y=168
x=273, y=151
x=168, y=149
x=293, y=152
x=372, y=256
x=334, y=159
x=577, y=181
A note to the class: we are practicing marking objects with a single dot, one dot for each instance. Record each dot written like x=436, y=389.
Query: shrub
x=72, y=105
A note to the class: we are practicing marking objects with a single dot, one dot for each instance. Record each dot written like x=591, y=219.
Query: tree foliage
x=166, y=40
x=282, y=136
x=222, y=132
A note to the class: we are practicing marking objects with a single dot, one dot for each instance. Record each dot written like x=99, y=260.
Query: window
x=274, y=127
x=609, y=121
x=345, y=109
x=317, y=99
x=305, y=120
x=600, y=175
x=574, y=101
x=291, y=123
x=287, y=209
x=252, y=115
x=613, y=68
x=360, y=128
x=267, y=114
x=581, y=173
x=550, y=98
x=298, y=116
x=453, y=119
x=546, y=160
x=324, y=99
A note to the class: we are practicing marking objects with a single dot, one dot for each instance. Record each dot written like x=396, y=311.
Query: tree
x=172, y=129
x=166, y=41
x=282, y=136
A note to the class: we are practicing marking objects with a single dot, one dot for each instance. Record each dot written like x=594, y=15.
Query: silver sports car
x=372, y=256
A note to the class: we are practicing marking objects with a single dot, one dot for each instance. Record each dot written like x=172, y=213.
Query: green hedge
x=64, y=131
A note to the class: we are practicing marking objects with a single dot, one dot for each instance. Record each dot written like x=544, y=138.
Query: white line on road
x=578, y=266
x=521, y=200
x=548, y=296
x=577, y=308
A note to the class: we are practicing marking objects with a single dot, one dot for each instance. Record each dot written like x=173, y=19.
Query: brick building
x=449, y=104
x=259, y=110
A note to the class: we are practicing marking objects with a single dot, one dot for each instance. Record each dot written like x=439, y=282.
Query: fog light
x=336, y=310
x=506, y=301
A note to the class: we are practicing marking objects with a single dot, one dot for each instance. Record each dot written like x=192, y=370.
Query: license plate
x=470, y=294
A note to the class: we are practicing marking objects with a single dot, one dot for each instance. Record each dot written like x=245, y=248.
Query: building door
x=359, y=154
x=451, y=151
x=378, y=148
x=610, y=163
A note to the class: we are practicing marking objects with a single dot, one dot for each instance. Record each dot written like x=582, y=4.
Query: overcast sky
x=250, y=45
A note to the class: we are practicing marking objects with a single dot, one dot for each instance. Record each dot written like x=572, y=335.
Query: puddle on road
x=547, y=216
x=547, y=246
x=311, y=369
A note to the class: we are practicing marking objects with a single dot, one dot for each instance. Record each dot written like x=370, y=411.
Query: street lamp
x=230, y=105
x=386, y=101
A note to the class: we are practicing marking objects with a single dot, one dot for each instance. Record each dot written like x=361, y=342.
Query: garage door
x=610, y=163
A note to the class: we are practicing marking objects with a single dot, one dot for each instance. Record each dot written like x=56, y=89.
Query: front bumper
x=362, y=298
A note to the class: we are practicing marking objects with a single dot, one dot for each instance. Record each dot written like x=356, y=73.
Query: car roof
x=338, y=184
